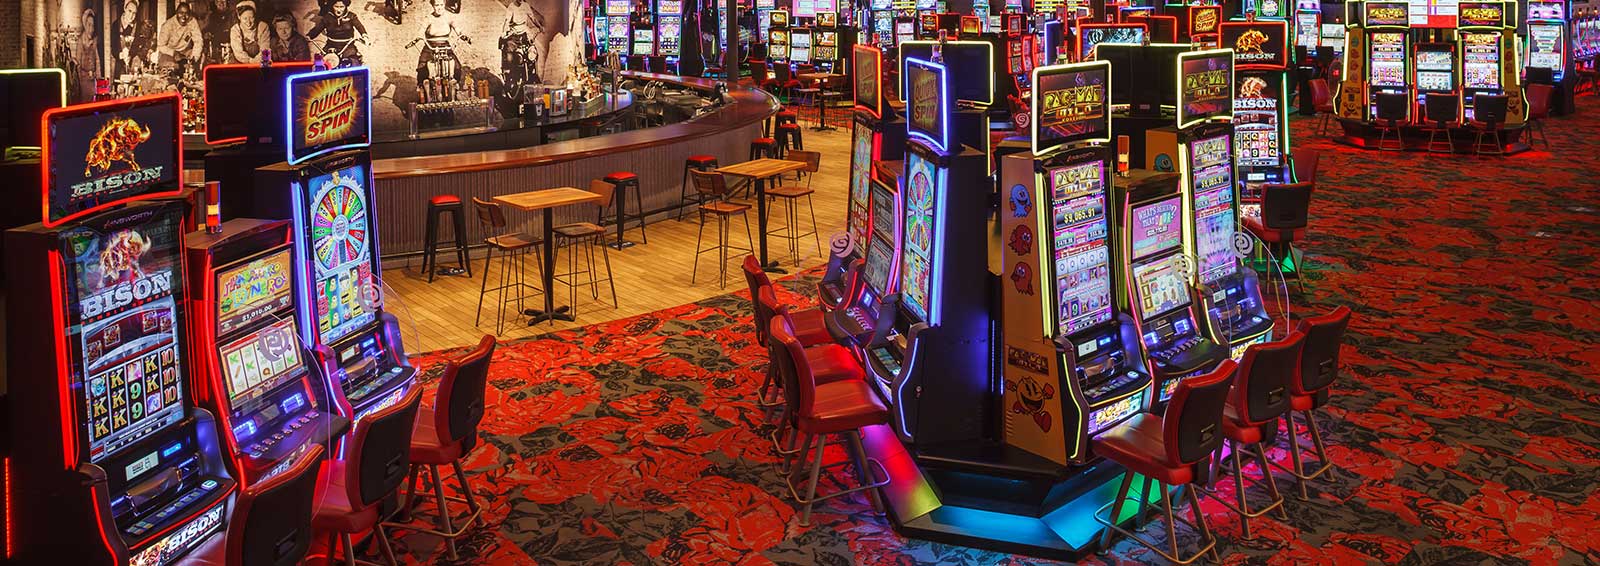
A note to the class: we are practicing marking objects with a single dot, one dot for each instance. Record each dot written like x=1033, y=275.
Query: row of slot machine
x=1586, y=35
x=173, y=359
x=813, y=40
x=1001, y=359
x=655, y=30
x=1476, y=53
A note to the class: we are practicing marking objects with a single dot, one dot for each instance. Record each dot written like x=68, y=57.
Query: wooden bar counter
x=656, y=155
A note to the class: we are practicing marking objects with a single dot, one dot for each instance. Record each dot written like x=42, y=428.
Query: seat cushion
x=428, y=444
x=724, y=207
x=789, y=192
x=842, y=406
x=513, y=241
x=832, y=362
x=620, y=176
x=788, y=126
x=335, y=511
x=1137, y=445
x=579, y=229
x=1238, y=429
x=702, y=159
x=1308, y=402
x=1255, y=226
x=442, y=200
x=810, y=327
x=788, y=114
x=763, y=141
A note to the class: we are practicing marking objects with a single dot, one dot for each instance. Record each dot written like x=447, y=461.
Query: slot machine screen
x=248, y=105
x=254, y=290
x=916, y=270
x=618, y=7
x=1070, y=105
x=973, y=58
x=1305, y=29
x=880, y=258
x=1205, y=88
x=904, y=31
x=1256, y=111
x=1155, y=227
x=1082, y=258
x=341, y=253
x=778, y=19
x=24, y=96
x=883, y=211
x=925, y=105
x=95, y=158
x=1213, y=207
x=1480, y=61
x=124, y=287
x=328, y=111
x=671, y=26
x=260, y=362
x=644, y=41
x=1435, y=70
x=1545, y=45
x=1096, y=34
x=827, y=19
x=868, y=72
x=800, y=45
x=1162, y=286
x=860, y=180
x=617, y=33
x=1388, y=65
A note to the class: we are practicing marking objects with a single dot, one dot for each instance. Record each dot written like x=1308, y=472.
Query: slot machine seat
x=810, y=325
x=377, y=460
x=443, y=434
x=271, y=521
x=1488, y=115
x=1171, y=449
x=1392, y=110
x=1539, y=97
x=1260, y=396
x=1442, y=111
x=1322, y=101
x=1310, y=385
x=1285, y=215
x=828, y=363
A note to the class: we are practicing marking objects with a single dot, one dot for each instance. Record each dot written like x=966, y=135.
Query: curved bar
x=656, y=155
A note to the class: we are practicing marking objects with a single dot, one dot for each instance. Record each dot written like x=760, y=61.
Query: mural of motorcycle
x=343, y=30
x=519, y=66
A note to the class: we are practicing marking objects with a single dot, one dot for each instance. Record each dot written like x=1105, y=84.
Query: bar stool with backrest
x=581, y=239
x=1393, y=108
x=829, y=362
x=1311, y=384
x=784, y=81
x=790, y=196
x=841, y=407
x=437, y=206
x=377, y=457
x=696, y=163
x=1285, y=214
x=1488, y=115
x=811, y=326
x=1539, y=97
x=1443, y=111
x=512, y=249
x=1260, y=396
x=713, y=190
x=1173, y=448
x=271, y=521
x=1322, y=102
x=444, y=434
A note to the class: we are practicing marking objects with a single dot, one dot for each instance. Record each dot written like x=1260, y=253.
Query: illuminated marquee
x=330, y=113
x=1073, y=104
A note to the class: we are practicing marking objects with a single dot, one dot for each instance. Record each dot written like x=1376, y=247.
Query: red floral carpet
x=1466, y=429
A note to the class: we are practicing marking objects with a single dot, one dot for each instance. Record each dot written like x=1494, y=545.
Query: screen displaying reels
x=1546, y=46
x=1388, y=63
x=1213, y=208
x=257, y=363
x=247, y=293
x=1161, y=285
x=1480, y=60
x=341, y=252
x=125, y=288
x=1155, y=227
x=860, y=180
x=916, y=269
x=1256, y=110
x=880, y=261
x=1082, y=258
x=883, y=211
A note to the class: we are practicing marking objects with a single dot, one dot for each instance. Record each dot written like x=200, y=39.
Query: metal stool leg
x=460, y=225
x=430, y=241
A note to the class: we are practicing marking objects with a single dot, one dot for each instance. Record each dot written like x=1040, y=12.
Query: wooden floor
x=649, y=277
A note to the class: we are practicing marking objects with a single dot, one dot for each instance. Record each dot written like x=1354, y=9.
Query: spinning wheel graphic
x=339, y=227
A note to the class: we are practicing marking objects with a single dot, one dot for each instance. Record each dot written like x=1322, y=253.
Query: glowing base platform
x=990, y=512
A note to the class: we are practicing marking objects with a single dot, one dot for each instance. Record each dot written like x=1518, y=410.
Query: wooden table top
x=818, y=76
x=762, y=168
x=546, y=198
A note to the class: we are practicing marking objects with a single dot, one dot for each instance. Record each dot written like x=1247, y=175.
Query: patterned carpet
x=1465, y=430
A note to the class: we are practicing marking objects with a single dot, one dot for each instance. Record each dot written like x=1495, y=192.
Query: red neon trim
x=221, y=499
x=69, y=433
x=206, y=91
x=9, y=521
x=1283, y=53
x=99, y=522
x=213, y=392
x=90, y=108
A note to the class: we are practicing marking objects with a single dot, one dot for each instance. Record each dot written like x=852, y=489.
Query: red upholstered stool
x=436, y=206
x=1260, y=397
x=763, y=147
x=627, y=182
x=1285, y=213
x=821, y=408
x=271, y=521
x=376, y=459
x=785, y=117
x=789, y=136
x=1311, y=383
x=693, y=163
x=444, y=434
x=1173, y=449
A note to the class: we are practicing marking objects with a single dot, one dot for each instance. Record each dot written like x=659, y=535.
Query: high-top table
x=547, y=200
x=759, y=171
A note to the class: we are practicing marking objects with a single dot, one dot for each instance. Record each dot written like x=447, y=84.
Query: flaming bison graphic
x=115, y=142
x=1250, y=42
x=1253, y=87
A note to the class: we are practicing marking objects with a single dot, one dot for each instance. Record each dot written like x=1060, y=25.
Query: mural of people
x=344, y=29
x=136, y=38
x=248, y=37
x=288, y=44
x=179, y=43
x=215, y=23
x=519, y=56
x=438, y=56
x=86, y=57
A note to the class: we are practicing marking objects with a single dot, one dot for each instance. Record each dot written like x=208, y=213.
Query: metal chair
x=713, y=190
x=790, y=196
x=580, y=239
x=512, y=248
x=1311, y=386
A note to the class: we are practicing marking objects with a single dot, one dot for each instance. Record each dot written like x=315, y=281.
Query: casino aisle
x=1463, y=432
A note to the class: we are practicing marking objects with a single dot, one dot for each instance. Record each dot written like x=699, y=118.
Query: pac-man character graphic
x=1021, y=240
x=115, y=142
x=1021, y=203
x=1250, y=41
x=1022, y=278
x=1252, y=87
x=1031, y=396
x=1164, y=163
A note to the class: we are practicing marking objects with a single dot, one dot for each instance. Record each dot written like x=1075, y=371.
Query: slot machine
x=327, y=178
x=1433, y=70
x=1548, y=43
x=1487, y=43
x=1201, y=24
x=826, y=51
x=1260, y=103
x=669, y=16
x=1379, y=64
x=883, y=28
x=1155, y=223
x=251, y=368
x=644, y=39
x=1308, y=26
x=800, y=44
x=619, y=31
x=927, y=25
x=877, y=135
x=778, y=36
x=905, y=29
x=1091, y=34
x=763, y=17
x=121, y=466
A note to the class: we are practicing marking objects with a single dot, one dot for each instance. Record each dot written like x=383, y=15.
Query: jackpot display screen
x=921, y=202
x=1071, y=105
x=1082, y=256
x=125, y=285
x=880, y=261
x=867, y=62
x=1387, y=63
x=254, y=290
x=1257, y=109
x=328, y=111
x=1161, y=285
x=1155, y=227
x=1480, y=61
x=860, y=180
x=1212, y=176
x=100, y=154
x=1205, y=86
x=340, y=224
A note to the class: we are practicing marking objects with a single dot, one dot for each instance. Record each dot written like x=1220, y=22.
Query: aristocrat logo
x=154, y=285
x=116, y=142
x=331, y=110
